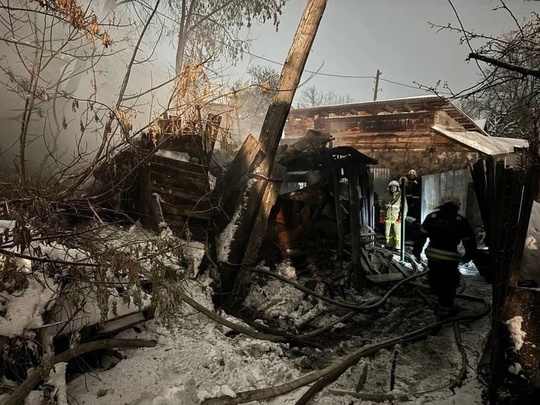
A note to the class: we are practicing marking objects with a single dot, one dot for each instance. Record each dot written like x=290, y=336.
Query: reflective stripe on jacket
x=439, y=254
x=445, y=229
x=391, y=206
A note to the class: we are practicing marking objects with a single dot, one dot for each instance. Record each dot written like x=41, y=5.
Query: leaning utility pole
x=244, y=245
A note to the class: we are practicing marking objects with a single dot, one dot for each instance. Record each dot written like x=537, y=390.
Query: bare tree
x=205, y=28
x=251, y=98
x=313, y=97
x=508, y=94
x=40, y=45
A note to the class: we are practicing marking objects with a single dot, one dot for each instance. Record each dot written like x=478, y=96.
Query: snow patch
x=57, y=379
x=226, y=237
x=212, y=181
x=517, y=335
x=24, y=311
x=515, y=368
x=174, y=155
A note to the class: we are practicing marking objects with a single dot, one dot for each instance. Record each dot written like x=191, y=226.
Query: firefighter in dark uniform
x=445, y=229
x=412, y=193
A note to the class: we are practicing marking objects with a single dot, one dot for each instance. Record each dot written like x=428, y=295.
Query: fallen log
x=42, y=372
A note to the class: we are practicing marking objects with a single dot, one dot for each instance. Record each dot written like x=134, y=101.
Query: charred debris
x=317, y=214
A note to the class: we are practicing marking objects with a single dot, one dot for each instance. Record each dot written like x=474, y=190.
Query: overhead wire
x=325, y=74
x=344, y=76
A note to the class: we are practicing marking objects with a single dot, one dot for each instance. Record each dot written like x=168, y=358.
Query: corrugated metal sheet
x=435, y=186
x=381, y=178
x=490, y=145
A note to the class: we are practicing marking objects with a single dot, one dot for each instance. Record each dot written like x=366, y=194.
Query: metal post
x=403, y=215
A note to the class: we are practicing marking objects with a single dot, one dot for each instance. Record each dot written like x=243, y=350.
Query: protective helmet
x=411, y=172
x=393, y=183
x=450, y=200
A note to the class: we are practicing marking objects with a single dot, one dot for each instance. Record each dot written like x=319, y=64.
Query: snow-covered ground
x=197, y=358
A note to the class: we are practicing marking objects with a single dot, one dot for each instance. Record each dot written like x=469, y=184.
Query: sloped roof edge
x=400, y=105
x=489, y=145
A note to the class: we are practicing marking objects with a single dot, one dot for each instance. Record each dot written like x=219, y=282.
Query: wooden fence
x=505, y=196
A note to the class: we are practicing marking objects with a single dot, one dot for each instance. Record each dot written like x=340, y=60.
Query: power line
x=318, y=73
x=338, y=76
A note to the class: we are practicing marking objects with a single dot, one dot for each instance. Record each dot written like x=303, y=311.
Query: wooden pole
x=377, y=76
x=291, y=73
x=250, y=202
x=354, y=216
x=335, y=176
x=403, y=218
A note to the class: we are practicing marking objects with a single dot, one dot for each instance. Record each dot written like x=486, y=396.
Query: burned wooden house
x=429, y=134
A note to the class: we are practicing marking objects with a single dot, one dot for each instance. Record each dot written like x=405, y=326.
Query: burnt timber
x=427, y=133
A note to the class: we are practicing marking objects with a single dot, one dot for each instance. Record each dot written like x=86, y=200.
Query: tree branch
x=505, y=65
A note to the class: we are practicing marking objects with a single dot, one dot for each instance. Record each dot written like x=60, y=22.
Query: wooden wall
x=399, y=142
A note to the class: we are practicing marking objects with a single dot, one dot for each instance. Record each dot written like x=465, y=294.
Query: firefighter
x=412, y=192
x=391, y=215
x=446, y=228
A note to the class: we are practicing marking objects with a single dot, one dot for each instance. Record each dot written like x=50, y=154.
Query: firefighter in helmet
x=391, y=215
x=445, y=228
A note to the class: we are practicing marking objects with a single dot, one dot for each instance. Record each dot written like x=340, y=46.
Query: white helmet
x=393, y=183
x=411, y=172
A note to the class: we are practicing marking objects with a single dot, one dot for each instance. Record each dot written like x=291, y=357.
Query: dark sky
x=357, y=37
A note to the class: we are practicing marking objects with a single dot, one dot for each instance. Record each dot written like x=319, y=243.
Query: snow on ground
x=192, y=361
x=24, y=311
x=198, y=358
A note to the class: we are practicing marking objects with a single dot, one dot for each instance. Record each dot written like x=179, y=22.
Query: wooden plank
x=192, y=186
x=124, y=322
x=529, y=190
x=186, y=211
x=335, y=174
x=354, y=216
x=211, y=132
x=192, y=144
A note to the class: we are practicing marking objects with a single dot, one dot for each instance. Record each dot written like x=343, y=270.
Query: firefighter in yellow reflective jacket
x=391, y=215
x=445, y=229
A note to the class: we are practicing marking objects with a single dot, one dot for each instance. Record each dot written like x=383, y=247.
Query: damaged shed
x=326, y=192
x=428, y=133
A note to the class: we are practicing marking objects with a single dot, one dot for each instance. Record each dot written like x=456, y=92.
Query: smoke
x=59, y=88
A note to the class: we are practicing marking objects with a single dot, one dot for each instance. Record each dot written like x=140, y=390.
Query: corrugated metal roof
x=490, y=145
